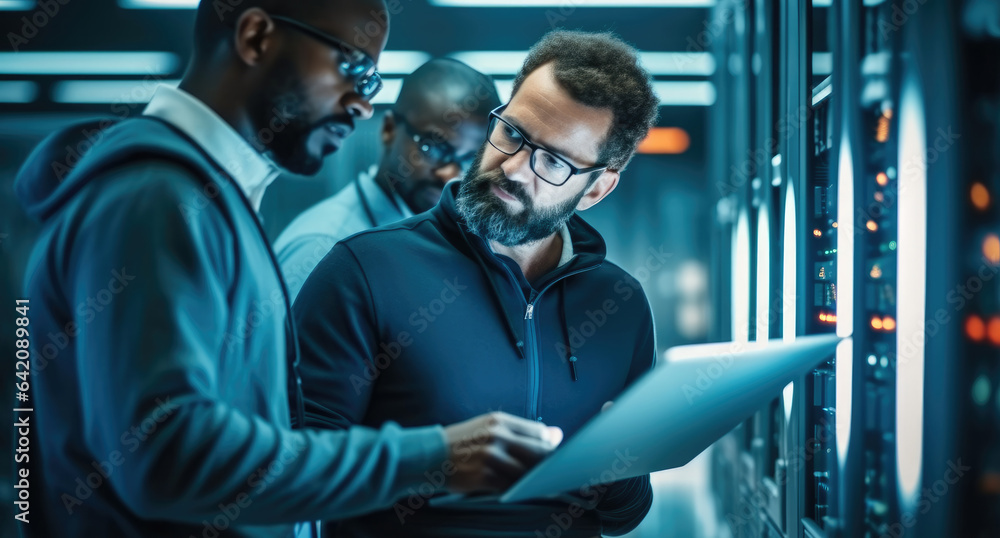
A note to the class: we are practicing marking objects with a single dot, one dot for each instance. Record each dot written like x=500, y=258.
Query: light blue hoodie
x=160, y=374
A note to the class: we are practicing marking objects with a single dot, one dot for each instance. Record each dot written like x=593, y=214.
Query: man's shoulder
x=414, y=232
x=333, y=218
x=614, y=282
x=152, y=191
x=411, y=236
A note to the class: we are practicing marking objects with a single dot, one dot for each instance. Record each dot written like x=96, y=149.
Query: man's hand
x=492, y=451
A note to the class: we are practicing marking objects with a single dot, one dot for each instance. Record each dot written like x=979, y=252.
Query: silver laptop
x=673, y=413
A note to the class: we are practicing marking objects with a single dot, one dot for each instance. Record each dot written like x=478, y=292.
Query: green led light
x=892, y=245
x=981, y=390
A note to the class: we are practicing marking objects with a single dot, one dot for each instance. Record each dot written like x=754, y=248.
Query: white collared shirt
x=312, y=234
x=252, y=171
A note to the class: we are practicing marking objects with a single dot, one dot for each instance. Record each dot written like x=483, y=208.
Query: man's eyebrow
x=552, y=149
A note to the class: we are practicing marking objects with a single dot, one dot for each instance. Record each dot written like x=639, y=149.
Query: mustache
x=342, y=122
x=499, y=179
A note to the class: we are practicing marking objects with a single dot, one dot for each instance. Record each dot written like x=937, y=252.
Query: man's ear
x=600, y=188
x=388, y=129
x=254, y=36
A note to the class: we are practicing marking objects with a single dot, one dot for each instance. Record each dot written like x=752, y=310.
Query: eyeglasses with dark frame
x=435, y=149
x=545, y=163
x=355, y=63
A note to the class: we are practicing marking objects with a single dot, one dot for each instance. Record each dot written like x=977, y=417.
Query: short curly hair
x=602, y=71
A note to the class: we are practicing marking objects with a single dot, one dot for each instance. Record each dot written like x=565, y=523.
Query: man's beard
x=285, y=106
x=489, y=217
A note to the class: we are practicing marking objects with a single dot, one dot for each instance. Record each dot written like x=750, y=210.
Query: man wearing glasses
x=163, y=349
x=430, y=136
x=499, y=298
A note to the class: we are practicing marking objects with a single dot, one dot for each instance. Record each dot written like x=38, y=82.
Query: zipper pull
x=572, y=366
x=528, y=312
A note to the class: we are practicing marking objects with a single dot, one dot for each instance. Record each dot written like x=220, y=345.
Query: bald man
x=162, y=350
x=429, y=138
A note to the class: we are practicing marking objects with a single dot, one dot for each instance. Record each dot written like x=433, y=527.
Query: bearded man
x=499, y=298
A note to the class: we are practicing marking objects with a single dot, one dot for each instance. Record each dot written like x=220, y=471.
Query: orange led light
x=882, y=132
x=666, y=140
x=877, y=323
x=879, y=197
x=991, y=249
x=817, y=233
x=822, y=316
x=887, y=113
x=871, y=225
x=882, y=179
x=993, y=330
x=834, y=225
x=876, y=271
x=888, y=323
x=980, y=196
x=975, y=328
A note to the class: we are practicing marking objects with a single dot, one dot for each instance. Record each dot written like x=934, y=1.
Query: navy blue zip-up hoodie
x=419, y=322
x=158, y=371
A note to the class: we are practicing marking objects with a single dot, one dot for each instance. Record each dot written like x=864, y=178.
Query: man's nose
x=447, y=172
x=517, y=167
x=358, y=107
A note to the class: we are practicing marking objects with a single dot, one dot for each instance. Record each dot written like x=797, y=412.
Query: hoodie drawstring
x=518, y=343
x=511, y=332
x=571, y=357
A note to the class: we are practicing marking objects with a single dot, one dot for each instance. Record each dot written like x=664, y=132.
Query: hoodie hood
x=589, y=251
x=46, y=180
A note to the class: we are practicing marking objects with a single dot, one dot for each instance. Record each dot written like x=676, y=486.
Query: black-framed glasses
x=433, y=148
x=355, y=64
x=545, y=163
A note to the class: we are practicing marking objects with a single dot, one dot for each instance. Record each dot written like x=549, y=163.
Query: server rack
x=954, y=80
x=824, y=207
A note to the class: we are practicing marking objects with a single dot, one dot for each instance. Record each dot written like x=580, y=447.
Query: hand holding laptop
x=491, y=452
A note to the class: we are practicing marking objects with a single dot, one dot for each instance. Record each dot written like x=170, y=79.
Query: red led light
x=993, y=330
x=975, y=329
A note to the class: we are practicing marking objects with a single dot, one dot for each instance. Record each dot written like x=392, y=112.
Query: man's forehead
x=360, y=23
x=551, y=117
x=444, y=112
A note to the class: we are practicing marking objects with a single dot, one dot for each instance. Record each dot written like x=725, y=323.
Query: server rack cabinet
x=820, y=461
x=953, y=82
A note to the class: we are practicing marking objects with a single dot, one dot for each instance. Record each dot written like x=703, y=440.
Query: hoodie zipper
x=531, y=345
